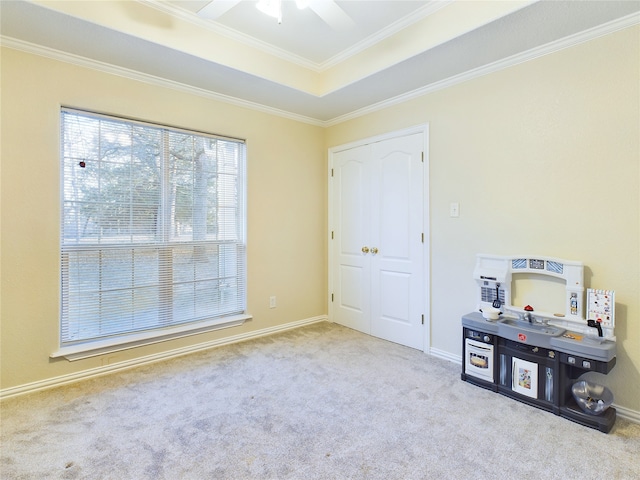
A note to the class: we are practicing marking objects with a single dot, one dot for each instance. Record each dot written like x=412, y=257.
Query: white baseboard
x=627, y=414
x=445, y=355
x=136, y=362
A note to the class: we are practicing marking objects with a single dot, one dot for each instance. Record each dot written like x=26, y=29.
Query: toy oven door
x=479, y=359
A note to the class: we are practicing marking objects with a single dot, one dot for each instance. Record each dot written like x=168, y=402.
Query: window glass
x=152, y=227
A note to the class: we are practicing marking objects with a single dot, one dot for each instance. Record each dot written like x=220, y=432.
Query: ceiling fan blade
x=332, y=14
x=217, y=8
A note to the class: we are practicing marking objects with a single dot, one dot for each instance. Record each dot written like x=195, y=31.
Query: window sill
x=101, y=347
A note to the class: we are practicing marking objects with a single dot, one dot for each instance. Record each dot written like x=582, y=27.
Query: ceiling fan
x=328, y=10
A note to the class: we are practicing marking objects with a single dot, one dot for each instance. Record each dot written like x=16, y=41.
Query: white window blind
x=153, y=227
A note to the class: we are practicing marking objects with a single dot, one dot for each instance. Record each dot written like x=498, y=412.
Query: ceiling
x=302, y=68
x=299, y=33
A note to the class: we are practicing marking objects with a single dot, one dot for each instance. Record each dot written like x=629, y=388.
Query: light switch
x=454, y=209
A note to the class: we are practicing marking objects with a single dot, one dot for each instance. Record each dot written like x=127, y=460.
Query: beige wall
x=544, y=158
x=286, y=205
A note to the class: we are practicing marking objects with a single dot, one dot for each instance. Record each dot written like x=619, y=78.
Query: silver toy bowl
x=592, y=398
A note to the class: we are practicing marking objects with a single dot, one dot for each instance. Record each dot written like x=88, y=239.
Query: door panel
x=352, y=283
x=352, y=202
x=396, y=226
x=395, y=189
x=395, y=288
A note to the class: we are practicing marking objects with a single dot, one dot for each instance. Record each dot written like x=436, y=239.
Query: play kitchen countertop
x=578, y=344
x=476, y=321
x=542, y=335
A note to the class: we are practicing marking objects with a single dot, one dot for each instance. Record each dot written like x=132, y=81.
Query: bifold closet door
x=377, y=266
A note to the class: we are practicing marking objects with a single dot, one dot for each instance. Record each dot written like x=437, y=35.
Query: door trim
x=421, y=129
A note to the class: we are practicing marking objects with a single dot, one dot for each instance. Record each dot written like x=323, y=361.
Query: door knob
x=365, y=249
x=374, y=250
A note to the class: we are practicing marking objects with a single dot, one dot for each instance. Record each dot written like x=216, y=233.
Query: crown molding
x=547, y=49
x=149, y=79
x=390, y=30
x=567, y=42
x=230, y=33
x=250, y=41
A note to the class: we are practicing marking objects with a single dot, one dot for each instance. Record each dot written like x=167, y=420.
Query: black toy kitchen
x=539, y=357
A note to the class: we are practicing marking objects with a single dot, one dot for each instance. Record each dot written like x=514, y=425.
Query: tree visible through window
x=152, y=227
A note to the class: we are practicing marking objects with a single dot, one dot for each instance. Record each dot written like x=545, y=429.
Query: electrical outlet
x=272, y=301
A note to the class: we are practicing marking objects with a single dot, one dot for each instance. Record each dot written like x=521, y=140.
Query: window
x=153, y=229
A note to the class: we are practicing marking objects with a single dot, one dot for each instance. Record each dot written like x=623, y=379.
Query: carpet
x=318, y=402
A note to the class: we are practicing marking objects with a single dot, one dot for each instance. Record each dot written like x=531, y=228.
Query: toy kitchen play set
x=538, y=357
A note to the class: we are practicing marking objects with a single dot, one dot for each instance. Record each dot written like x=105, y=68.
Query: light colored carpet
x=318, y=402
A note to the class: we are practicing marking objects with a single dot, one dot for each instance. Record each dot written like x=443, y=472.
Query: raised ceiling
x=303, y=68
x=303, y=36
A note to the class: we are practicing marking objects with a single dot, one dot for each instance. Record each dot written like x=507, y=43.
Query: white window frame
x=106, y=343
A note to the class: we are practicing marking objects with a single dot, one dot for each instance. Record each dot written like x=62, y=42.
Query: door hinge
x=331, y=234
x=422, y=238
x=332, y=297
x=422, y=153
x=423, y=319
x=332, y=172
